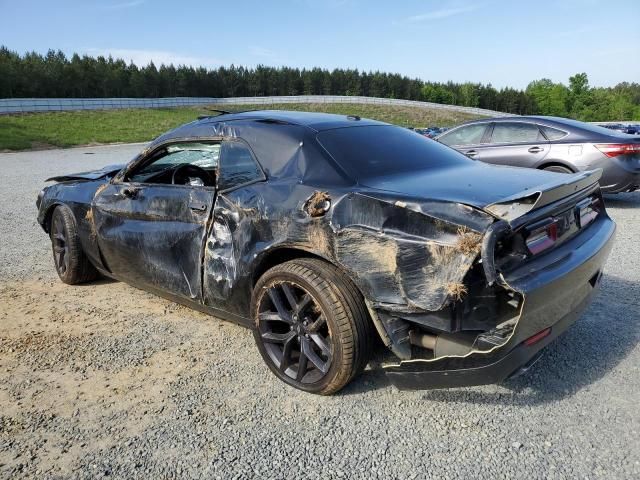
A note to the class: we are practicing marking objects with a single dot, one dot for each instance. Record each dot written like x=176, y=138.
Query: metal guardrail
x=28, y=105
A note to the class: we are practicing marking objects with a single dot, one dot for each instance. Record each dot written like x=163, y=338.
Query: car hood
x=103, y=172
x=504, y=192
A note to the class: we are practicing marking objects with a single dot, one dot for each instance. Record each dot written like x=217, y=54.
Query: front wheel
x=312, y=327
x=70, y=261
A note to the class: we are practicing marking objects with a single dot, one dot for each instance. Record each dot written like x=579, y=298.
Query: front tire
x=72, y=265
x=312, y=327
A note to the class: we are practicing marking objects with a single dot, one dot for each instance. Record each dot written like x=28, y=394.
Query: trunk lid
x=504, y=192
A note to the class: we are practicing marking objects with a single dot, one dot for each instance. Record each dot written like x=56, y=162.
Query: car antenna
x=353, y=117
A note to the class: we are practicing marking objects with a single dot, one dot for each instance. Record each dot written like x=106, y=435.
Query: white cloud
x=143, y=57
x=120, y=6
x=440, y=14
x=262, y=52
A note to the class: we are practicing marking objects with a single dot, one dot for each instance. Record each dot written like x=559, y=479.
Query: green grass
x=66, y=129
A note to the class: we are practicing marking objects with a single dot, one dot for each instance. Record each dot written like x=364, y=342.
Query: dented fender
x=408, y=254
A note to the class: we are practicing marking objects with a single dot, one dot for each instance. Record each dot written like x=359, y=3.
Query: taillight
x=588, y=210
x=541, y=238
x=614, y=149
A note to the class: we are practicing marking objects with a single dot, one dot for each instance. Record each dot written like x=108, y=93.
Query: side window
x=160, y=169
x=553, y=133
x=516, y=133
x=469, y=135
x=237, y=165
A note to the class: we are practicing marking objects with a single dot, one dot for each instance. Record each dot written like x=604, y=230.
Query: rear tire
x=557, y=169
x=72, y=265
x=312, y=326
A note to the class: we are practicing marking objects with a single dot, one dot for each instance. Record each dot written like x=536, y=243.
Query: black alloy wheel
x=72, y=265
x=295, y=332
x=312, y=326
x=60, y=245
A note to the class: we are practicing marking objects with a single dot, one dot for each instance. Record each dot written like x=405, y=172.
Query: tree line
x=56, y=75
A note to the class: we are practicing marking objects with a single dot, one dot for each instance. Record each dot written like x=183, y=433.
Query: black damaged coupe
x=325, y=234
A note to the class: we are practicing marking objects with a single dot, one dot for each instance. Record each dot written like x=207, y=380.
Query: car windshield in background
x=373, y=151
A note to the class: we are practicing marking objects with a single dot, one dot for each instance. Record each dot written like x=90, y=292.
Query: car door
x=468, y=139
x=520, y=144
x=236, y=215
x=151, y=232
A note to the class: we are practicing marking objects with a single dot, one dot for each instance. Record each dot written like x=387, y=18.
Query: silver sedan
x=551, y=143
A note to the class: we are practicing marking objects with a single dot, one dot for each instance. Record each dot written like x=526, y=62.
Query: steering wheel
x=182, y=172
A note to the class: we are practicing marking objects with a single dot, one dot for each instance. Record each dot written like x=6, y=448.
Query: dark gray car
x=551, y=143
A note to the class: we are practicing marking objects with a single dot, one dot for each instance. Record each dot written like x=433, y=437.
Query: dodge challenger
x=326, y=234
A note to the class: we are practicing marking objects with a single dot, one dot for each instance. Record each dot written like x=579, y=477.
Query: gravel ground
x=106, y=380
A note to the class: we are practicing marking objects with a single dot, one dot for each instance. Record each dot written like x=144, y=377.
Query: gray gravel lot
x=106, y=380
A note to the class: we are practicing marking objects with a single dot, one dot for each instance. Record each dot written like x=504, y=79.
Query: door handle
x=129, y=192
x=536, y=149
x=471, y=153
x=198, y=206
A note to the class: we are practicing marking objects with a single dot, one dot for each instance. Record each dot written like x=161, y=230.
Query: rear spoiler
x=523, y=202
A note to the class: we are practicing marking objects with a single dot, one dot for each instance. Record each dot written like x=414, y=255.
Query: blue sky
x=506, y=43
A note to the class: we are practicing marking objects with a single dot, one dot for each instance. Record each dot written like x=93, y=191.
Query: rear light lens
x=543, y=237
x=614, y=149
x=537, y=337
x=588, y=211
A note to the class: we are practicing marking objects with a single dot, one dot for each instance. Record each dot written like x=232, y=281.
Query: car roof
x=235, y=124
x=543, y=119
x=275, y=137
x=314, y=120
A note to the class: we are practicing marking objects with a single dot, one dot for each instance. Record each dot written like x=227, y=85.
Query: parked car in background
x=630, y=129
x=322, y=232
x=614, y=126
x=551, y=143
x=633, y=129
x=430, y=132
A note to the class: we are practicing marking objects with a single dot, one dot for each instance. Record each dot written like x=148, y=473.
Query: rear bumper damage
x=556, y=290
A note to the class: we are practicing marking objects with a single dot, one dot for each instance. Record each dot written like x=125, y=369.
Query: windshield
x=376, y=150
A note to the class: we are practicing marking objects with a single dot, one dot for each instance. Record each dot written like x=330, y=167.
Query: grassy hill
x=66, y=129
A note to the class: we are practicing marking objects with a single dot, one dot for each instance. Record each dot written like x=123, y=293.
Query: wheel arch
x=48, y=215
x=276, y=256
x=556, y=163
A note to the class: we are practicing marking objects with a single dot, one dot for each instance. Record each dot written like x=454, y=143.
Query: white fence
x=26, y=105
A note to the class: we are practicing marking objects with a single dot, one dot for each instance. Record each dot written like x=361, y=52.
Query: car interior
x=193, y=164
x=224, y=165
